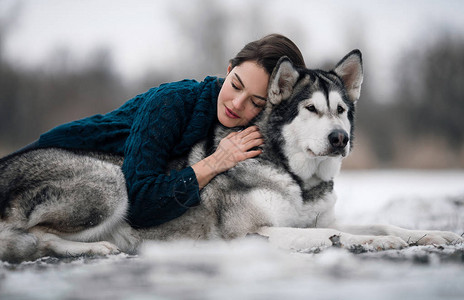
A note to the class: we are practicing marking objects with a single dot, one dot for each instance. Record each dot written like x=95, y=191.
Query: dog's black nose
x=338, y=139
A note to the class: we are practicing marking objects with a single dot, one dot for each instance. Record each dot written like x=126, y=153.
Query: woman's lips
x=231, y=114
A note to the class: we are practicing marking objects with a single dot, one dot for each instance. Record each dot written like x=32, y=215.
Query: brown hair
x=267, y=51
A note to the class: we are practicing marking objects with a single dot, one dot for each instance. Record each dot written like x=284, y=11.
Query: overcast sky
x=141, y=33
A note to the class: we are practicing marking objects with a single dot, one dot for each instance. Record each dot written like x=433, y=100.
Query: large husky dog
x=63, y=203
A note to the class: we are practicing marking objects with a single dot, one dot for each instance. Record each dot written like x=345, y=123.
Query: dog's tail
x=17, y=245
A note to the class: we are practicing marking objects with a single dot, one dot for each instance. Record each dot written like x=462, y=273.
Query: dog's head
x=313, y=108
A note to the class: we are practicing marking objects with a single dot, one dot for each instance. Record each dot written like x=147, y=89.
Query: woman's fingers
x=252, y=136
x=249, y=138
x=248, y=131
x=253, y=153
x=252, y=143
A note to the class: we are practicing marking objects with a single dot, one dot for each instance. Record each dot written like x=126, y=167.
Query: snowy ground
x=252, y=269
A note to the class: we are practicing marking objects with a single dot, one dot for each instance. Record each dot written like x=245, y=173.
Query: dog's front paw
x=106, y=248
x=388, y=242
x=419, y=237
x=375, y=242
x=102, y=248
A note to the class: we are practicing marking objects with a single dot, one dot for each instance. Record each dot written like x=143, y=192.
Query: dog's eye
x=311, y=108
x=340, y=109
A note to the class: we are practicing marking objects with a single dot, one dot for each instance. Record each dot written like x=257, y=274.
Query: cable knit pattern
x=149, y=130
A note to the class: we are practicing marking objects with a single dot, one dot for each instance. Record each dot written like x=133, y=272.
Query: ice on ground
x=252, y=269
x=411, y=199
x=248, y=269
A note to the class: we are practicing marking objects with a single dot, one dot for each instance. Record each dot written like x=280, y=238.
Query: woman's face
x=243, y=94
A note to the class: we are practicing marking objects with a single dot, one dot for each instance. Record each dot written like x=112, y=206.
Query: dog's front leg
x=307, y=238
x=412, y=237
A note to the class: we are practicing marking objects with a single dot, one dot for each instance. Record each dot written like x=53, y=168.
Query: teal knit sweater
x=149, y=130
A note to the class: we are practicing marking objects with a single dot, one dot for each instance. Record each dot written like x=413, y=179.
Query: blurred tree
x=200, y=25
x=9, y=78
x=430, y=99
x=208, y=28
x=64, y=89
x=72, y=89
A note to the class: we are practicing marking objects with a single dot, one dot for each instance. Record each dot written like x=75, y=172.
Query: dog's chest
x=280, y=198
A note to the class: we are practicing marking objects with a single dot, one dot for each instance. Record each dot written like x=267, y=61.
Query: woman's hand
x=235, y=148
x=232, y=149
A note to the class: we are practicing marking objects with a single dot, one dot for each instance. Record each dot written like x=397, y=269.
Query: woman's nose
x=239, y=102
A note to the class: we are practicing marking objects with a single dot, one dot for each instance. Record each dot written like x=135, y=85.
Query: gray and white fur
x=67, y=203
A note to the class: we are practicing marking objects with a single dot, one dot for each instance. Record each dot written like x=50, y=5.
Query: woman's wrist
x=206, y=170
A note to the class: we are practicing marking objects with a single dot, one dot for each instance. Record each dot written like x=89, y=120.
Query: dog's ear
x=282, y=80
x=350, y=70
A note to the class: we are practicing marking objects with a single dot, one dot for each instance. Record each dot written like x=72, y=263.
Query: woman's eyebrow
x=239, y=79
x=241, y=82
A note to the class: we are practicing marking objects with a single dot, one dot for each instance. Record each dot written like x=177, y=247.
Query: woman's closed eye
x=235, y=87
x=258, y=103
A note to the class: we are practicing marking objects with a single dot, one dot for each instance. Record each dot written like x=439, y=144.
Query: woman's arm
x=156, y=194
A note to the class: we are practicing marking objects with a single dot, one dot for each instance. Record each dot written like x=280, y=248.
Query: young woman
x=165, y=122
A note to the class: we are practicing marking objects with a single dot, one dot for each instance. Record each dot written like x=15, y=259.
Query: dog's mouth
x=333, y=152
x=311, y=152
x=338, y=152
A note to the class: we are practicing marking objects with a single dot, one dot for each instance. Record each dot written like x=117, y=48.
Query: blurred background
x=61, y=60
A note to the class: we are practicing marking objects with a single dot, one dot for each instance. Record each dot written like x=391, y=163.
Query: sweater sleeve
x=156, y=194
